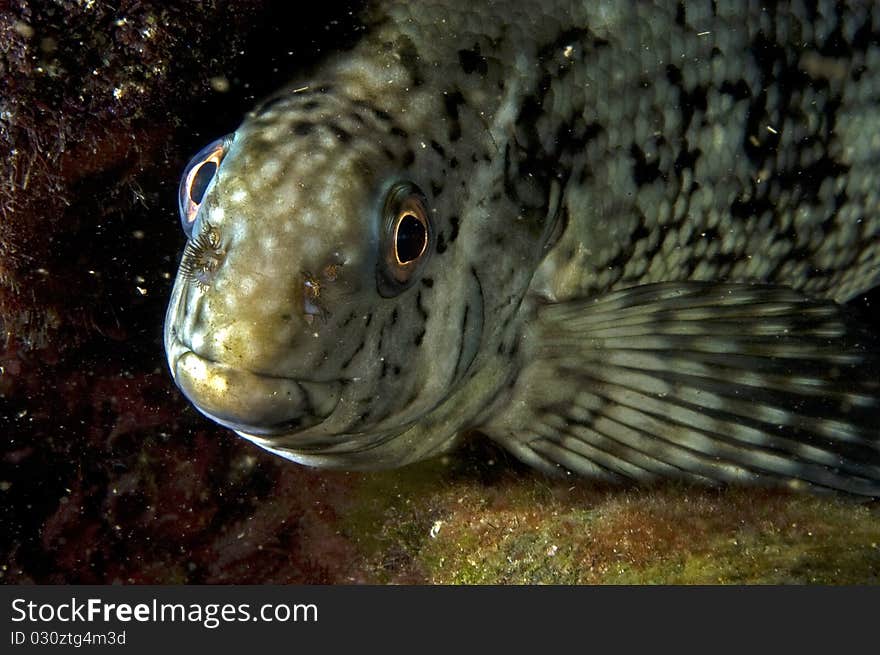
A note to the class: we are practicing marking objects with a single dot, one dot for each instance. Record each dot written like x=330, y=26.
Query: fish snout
x=251, y=402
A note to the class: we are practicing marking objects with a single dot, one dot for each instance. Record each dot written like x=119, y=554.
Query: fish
x=618, y=239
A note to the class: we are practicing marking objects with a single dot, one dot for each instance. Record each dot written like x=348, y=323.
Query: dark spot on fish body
x=809, y=179
x=269, y=104
x=530, y=112
x=789, y=78
x=441, y=244
x=438, y=148
x=865, y=36
x=625, y=253
x=617, y=264
x=381, y=114
x=644, y=172
x=577, y=133
x=409, y=57
x=303, y=128
x=381, y=340
x=738, y=90
x=686, y=158
x=399, y=132
x=422, y=310
x=641, y=233
x=436, y=188
x=680, y=14
x=451, y=102
x=835, y=44
x=689, y=101
x=413, y=397
x=341, y=135
x=454, y=221
x=408, y=158
x=472, y=61
x=417, y=341
x=461, y=340
x=513, y=349
x=357, y=350
x=532, y=165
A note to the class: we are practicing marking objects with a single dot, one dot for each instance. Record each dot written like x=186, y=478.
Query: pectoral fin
x=704, y=382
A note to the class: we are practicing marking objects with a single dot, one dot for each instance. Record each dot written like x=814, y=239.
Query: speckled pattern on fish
x=611, y=236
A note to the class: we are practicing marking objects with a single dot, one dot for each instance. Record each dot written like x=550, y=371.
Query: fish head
x=310, y=312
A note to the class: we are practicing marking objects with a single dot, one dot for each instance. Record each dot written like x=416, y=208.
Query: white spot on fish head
x=238, y=195
x=246, y=285
x=327, y=196
x=270, y=170
x=328, y=140
x=308, y=217
x=275, y=132
x=289, y=150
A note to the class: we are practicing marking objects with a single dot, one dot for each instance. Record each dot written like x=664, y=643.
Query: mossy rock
x=432, y=524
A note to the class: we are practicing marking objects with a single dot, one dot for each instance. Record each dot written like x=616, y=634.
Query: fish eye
x=410, y=237
x=407, y=240
x=197, y=177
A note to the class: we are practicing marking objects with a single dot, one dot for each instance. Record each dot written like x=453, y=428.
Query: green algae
x=389, y=516
x=427, y=524
x=806, y=541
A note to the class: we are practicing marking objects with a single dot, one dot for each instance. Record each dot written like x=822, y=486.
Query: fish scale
x=588, y=230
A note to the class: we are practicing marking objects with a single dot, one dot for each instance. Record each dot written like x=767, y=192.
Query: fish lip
x=258, y=403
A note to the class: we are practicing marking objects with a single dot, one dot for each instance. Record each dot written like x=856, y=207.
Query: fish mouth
x=245, y=401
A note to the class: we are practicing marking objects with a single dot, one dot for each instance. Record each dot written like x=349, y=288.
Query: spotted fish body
x=629, y=229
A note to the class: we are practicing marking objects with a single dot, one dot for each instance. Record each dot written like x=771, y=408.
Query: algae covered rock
x=525, y=529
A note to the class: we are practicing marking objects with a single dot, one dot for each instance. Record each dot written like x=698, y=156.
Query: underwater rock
x=523, y=530
x=92, y=98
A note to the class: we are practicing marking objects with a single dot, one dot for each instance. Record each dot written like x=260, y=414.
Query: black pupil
x=201, y=180
x=411, y=238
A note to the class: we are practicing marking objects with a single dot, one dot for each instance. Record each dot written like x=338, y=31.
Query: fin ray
x=698, y=381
